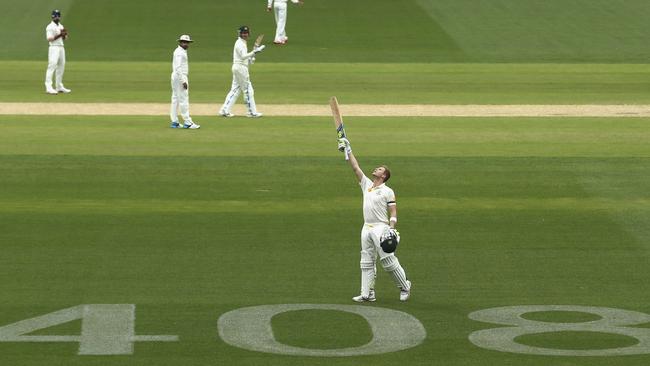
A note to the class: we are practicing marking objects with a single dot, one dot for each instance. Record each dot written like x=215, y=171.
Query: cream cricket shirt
x=240, y=54
x=180, y=67
x=376, y=201
x=52, y=30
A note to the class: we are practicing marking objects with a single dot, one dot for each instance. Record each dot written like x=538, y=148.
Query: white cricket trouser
x=55, y=62
x=370, y=249
x=280, y=10
x=180, y=98
x=241, y=83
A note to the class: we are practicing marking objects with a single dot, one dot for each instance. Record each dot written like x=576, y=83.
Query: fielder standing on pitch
x=180, y=85
x=280, y=10
x=378, y=236
x=55, y=34
x=241, y=82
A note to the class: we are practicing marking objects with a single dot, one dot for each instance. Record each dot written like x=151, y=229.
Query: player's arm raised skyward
x=345, y=147
x=354, y=164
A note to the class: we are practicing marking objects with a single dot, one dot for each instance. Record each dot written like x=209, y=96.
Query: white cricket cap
x=185, y=37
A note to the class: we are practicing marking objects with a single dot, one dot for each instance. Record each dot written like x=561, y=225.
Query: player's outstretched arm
x=354, y=164
x=345, y=147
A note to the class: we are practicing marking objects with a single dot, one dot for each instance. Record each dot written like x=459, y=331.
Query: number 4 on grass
x=106, y=329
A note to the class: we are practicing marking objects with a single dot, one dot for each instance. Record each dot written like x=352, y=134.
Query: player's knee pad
x=367, y=265
x=390, y=263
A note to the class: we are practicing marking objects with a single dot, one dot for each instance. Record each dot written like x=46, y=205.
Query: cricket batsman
x=241, y=81
x=378, y=235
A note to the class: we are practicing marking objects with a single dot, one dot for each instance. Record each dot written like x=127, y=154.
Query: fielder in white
x=280, y=10
x=55, y=34
x=180, y=85
x=378, y=202
x=241, y=82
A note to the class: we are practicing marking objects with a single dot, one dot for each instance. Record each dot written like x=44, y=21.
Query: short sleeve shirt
x=376, y=201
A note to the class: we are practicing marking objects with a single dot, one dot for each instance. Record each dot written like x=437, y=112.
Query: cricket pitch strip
x=349, y=110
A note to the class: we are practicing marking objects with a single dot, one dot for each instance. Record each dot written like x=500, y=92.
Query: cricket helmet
x=389, y=241
x=243, y=29
x=56, y=13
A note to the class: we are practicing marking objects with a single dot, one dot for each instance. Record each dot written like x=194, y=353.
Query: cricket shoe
x=279, y=42
x=191, y=126
x=63, y=90
x=371, y=297
x=254, y=115
x=51, y=91
x=405, y=294
x=226, y=114
x=175, y=124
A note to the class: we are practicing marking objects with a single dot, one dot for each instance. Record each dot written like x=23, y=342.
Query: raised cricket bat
x=338, y=122
x=258, y=40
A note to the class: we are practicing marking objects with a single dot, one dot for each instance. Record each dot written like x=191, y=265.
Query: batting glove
x=259, y=49
x=390, y=232
x=395, y=233
x=344, y=145
x=389, y=240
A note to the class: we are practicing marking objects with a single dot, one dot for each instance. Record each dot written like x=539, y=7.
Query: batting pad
x=367, y=264
x=367, y=257
x=367, y=277
x=392, y=266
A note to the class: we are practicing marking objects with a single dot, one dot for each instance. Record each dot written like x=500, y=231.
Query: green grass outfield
x=408, y=31
x=188, y=225
x=307, y=83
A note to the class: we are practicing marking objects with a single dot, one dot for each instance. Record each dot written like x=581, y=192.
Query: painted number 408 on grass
x=109, y=329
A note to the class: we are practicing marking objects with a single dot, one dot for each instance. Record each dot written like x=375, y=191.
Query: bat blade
x=258, y=40
x=338, y=121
